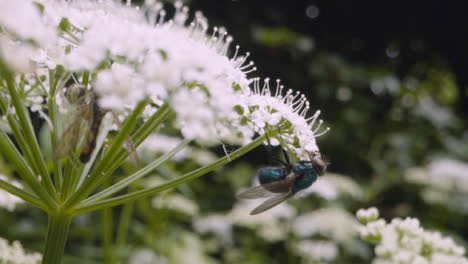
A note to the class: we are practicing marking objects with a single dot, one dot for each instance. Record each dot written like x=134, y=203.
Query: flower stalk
x=56, y=238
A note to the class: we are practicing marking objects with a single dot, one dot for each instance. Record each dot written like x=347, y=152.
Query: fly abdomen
x=303, y=182
x=268, y=175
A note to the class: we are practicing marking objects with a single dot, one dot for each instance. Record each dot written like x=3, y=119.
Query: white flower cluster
x=8, y=200
x=331, y=186
x=146, y=256
x=444, y=182
x=15, y=254
x=317, y=251
x=404, y=241
x=332, y=222
x=136, y=53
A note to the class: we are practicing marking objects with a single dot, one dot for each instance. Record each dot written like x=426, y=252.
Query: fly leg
x=270, y=155
x=285, y=154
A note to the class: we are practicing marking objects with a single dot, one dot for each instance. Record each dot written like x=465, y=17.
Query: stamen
x=323, y=132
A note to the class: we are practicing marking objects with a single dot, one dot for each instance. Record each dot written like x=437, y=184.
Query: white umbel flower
x=14, y=253
x=405, y=241
x=132, y=53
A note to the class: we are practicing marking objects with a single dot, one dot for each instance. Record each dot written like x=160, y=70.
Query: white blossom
x=146, y=256
x=140, y=53
x=220, y=225
x=405, y=241
x=175, y=202
x=15, y=254
x=269, y=224
x=318, y=250
x=334, y=223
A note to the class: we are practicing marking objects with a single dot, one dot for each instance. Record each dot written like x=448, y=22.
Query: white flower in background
x=160, y=143
x=334, y=223
x=405, y=241
x=220, y=225
x=367, y=215
x=146, y=256
x=188, y=249
x=30, y=26
x=331, y=186
x=269, y=224
x=317, y=251
x=8, y=200
x=175, y=202
x=15, y=254
x=445, y=182
x=140, y=53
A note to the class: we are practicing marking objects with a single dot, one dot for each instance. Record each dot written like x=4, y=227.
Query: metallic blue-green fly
x=284, y=182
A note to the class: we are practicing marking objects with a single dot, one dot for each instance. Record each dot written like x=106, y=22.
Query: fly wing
x=71, y=137
x=272, y=202
x=267, y=190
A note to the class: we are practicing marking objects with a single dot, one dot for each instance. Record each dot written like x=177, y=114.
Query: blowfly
x=284, y=182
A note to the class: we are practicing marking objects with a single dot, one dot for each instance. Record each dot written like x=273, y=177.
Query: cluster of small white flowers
x=146, y=256
x=334, y=223
x=8, y=200
x=217, y=224
x=175, y=202
x=367, y=215
x=331, y=186
x=136, y=53
x=322, y=251
x=268, y=224
x=15, y=254
x=405, y=241
x=444, y=182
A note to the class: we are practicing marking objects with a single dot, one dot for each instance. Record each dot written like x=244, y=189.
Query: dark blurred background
x=389, y=76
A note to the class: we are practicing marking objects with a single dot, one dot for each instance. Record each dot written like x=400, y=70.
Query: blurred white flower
x=146, y=256
x=317, y=251
x=15, y=254
x=175, y=202
x=8, y=200
x=367, y=215
x=334, y=223
x=405, y=241
x=331, y=186
x=29, y=26
x=218, y=224
x=269, y=224
x=188, y=249
x=445, y=182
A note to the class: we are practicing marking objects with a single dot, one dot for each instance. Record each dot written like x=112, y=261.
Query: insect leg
x=286, y=156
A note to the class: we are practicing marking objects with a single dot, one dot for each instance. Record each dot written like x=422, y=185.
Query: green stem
x=28, y=197
x=56, y=238
x=122, y=230
x=29, y=135
x=106, y=229
x=82, y=208
x=11, y=153
x=139, y=174
x=97, y=175
x=58, y=176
